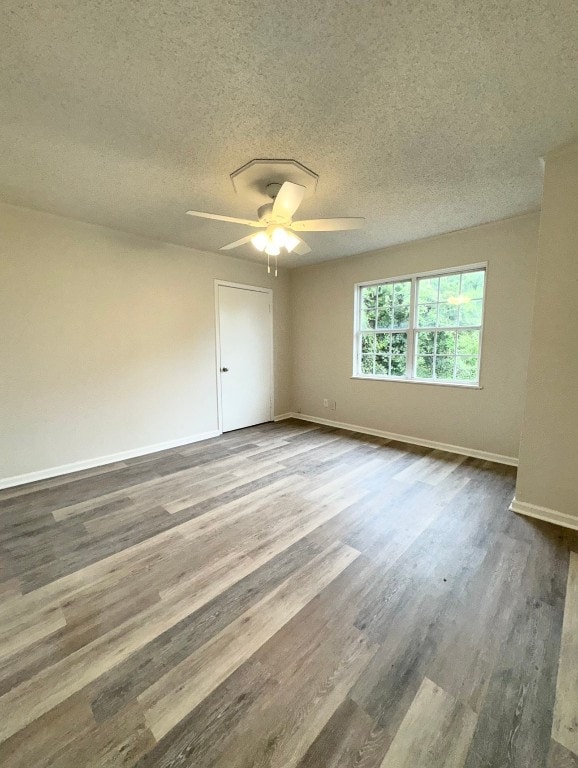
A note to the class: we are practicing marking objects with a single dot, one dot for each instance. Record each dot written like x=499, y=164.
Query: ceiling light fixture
x=272, y=240
x=260, y=240
x=275, y=219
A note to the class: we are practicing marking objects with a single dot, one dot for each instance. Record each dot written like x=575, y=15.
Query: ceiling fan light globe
x=272, y=250
x=291, y=242
x=260, y=241
x=279, y=237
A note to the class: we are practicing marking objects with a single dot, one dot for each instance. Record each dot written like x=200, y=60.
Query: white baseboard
x=77, y=466
x=283, y=416
x=511, y=461
x=544, y=513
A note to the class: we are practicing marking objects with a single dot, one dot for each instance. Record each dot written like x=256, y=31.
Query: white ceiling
x=423, y=117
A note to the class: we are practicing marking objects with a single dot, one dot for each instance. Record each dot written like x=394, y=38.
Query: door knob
x=224, y=370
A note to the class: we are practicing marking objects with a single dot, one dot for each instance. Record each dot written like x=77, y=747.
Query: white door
x=246, y=352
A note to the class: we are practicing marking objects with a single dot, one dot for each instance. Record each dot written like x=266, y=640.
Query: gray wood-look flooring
x=286, y=595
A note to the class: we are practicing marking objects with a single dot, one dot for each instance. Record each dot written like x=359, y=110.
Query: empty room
x=288, y=384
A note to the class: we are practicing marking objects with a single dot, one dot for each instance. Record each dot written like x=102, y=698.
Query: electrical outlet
x=332, y=405
x=325, y=402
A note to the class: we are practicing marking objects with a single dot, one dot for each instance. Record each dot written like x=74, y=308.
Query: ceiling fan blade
x=327, y=225
x=288, y=199
x=236, y=244
x=302, y=248
x=231, y=219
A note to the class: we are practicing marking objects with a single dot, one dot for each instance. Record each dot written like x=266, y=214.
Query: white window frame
x=412, y=330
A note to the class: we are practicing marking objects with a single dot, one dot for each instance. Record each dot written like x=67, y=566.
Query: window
x=423, y=327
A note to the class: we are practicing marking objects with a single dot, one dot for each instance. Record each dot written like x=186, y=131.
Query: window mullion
x=411, y=336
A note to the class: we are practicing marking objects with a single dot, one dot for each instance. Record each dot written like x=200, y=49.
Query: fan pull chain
x=268, y=263
x=275, y=266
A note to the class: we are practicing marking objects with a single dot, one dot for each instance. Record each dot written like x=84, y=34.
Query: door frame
x=259, y=289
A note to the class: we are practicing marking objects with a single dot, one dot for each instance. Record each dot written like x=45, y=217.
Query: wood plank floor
x=286, y=595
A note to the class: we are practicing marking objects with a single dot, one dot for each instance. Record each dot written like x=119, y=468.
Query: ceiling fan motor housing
x=265, y=213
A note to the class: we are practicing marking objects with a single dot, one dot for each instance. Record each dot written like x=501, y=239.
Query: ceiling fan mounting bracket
x=261, y=178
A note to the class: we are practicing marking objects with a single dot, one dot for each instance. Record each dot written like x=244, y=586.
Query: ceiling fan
x=276, y=226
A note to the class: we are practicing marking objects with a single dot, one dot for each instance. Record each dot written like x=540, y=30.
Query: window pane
x=448, y=314
x=473, y=284
x=398, y=343
x=444, y=367
x=368, y=319
x=401, y=316
x=384, y=318
x=382, y=364
x=427, y=290
x=452, y=301
x=366, y=363
x=382, y=341
x=468, y=342
x=398, y=365
x=368, y=297
x=449, y=287
x=425, y=367
x=368, y=343
x=471, y=313
x=401, y=292
x=467, y=368
x=427, y=315
x=384, y=294
x=425, y=342
x=446, y=343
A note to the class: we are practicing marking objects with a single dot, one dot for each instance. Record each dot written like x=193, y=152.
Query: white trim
x=429, y=273
x=77, y=466
x=410, y=353
x=283, y=416
x=498, y=458
x=244, y=287
x=544, y=513
x=218, y=358
x=258, y=288
x=429, y=382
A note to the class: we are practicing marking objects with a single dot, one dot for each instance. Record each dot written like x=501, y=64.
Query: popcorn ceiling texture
x=423, y=117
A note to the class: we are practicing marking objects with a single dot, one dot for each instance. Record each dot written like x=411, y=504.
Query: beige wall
x=486, y=419
x=107, y=341
x=548, y=473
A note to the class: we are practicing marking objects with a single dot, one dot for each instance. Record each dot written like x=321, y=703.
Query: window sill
x=419, y=381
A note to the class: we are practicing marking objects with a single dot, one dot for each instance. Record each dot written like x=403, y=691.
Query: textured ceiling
x=423, y=117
